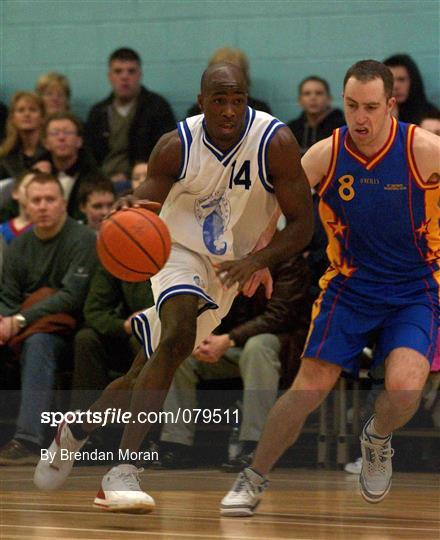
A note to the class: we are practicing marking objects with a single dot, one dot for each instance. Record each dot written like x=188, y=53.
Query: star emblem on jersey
x=337, y=227
x=423, y=229
x=346, y=269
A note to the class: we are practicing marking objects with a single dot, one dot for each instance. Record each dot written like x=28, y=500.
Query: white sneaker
x=121, y=492
x=245, y=495
x=377, y=470
x=51, y=473
x=354, y=467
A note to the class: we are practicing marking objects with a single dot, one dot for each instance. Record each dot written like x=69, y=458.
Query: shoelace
x=244, y=483
x=131, y=479
x=378, y=454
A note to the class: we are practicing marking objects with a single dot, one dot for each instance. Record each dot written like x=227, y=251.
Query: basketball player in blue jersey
x=219, y=179
x=379, y=186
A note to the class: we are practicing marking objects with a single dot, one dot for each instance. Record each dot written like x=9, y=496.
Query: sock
x=371, y=430
x=255, y=476
x=78, y=432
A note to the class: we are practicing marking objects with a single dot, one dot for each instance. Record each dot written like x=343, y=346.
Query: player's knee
x=177, y=347
x=403, y=395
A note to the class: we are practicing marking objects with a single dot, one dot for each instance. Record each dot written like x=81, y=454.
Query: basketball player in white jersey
x=219, y=178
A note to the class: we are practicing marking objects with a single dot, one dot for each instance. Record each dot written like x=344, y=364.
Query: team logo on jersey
x=213, y=213
x=199, y=281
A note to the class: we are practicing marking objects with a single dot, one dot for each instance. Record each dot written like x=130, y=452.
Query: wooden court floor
x=300, y=505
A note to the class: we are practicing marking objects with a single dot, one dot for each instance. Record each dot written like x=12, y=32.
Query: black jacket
x=86, y=171
x=308, y=136
x=153, y=117
x=16, y=162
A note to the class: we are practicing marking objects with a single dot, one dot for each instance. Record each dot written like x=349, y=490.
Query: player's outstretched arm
x=294, y=197
x=316, y=161
x=163, y=171
x=426, y=150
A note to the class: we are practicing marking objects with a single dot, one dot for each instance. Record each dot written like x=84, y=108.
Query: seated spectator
x=261, y=341
x=3, y=117
x=237, y=57
x=124, y=127
x=54, y=90
x=22, y=146
x=73, y=166
x=20, y=224
x=318, y=119
x=409, y=90
x=138, y=174
x=44, y=284
x=105, y=343
x=95, y=202
x=431, y=122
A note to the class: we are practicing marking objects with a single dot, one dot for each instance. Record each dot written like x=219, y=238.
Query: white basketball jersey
x=223, y=200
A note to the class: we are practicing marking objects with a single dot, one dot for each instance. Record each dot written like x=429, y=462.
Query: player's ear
x=391, y=104
x=200, y=102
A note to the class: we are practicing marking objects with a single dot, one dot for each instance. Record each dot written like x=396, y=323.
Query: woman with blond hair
x=54, y=90
x=22, y=146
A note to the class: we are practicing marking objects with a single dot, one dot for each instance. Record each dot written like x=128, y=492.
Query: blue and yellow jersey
x=381, y=218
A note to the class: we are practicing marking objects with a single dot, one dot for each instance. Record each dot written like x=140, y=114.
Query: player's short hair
x=232, y=56
x=39, y=177
x=125, y=54
x=63, y=116
x=314, y=78
x=368, y=70
x=100, y=185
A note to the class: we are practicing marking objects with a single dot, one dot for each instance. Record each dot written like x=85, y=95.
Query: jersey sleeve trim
x=412, y=162
x=332, y=165
x=186, y=140
x=263, y=170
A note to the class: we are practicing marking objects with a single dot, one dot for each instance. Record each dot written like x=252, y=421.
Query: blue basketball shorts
x=345, y=320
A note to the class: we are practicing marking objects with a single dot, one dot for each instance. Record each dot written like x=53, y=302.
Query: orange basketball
x=133, y=244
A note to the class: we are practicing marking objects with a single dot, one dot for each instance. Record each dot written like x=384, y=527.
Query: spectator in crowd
x=124, y=127
x=2, y=252
x=20, y=224
x=409, y=91
x=431, y=122
x=3, y=117
x=44, y=284
x=237, y=57
x=105, y=343
x=318, y=119
x=22, y=146
x=139, y=174
x=95, y=201
x=73, y=166
x=261, y=341
x=54, y=90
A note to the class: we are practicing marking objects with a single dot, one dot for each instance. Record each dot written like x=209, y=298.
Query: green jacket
x=110, y=301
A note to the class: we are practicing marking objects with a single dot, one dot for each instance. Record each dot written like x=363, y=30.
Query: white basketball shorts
x=185, y=272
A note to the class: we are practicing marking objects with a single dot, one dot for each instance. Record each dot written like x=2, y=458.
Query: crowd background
x=295, y=56
x=286, y=41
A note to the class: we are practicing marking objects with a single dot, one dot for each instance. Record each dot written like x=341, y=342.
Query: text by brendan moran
x=98, y=455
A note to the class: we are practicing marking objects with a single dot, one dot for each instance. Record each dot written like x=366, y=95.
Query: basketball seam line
x=157, y=230
x=135, y=241
x=143, y=273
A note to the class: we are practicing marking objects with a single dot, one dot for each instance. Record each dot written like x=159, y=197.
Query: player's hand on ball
x=130, y=201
